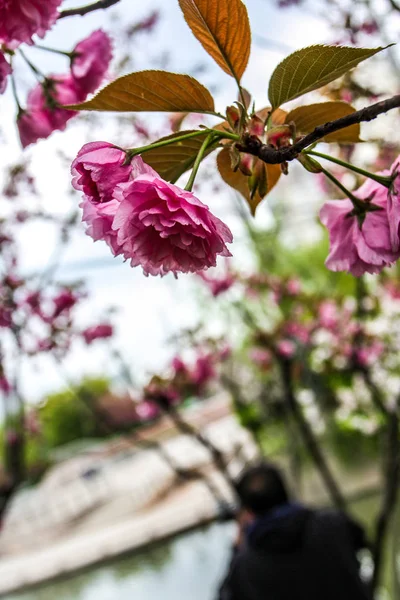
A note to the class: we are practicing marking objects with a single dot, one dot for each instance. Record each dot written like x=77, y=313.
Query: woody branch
x=253, y=145
x=84, y=10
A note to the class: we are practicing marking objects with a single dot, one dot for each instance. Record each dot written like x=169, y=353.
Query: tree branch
x=390, y=493
x=307, y=434
x=84, y=10
x=253, y=145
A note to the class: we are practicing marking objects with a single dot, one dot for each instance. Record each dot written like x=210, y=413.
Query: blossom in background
x=21, y=19
x=218, y=285
x=360, y=247
x=147, y=410
x=286, y=348
x=63, y=302
x=261, y=357
x=97, y=332
x=164, y=228
x=43, y=115
x=5, y=71
x=5, y=385
x=90, y=61
x=203, y=370
x=44, y=112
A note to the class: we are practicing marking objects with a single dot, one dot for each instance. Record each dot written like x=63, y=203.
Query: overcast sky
x=150, y=309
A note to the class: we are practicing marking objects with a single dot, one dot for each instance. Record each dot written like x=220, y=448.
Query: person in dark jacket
x=286, y=551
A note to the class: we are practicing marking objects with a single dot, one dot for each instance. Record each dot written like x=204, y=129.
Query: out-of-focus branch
x=307, y=434
x=390, y=493
x=394, y=5
x=84, y=10
x=188, y=429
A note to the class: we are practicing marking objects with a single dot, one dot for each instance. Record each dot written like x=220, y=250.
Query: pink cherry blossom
x=99, y=219
x=261, y=357
x=328, y=314
x=394, y=204
x=91, y=58
x=297, y=331
x=179, y=366
x=203, y=370
x=5, y=385
x=293, y=287
x=365, y=248
x=97, y=332
x=43, y=114
x=164, y=228
x=5, y=71
x=98, y=168
x=218, y=285
x=33, y=126
x=147, y=410
x=63, y=302
x=286, y=348
x=57, y=90
x=21, y=19
x=367, y=355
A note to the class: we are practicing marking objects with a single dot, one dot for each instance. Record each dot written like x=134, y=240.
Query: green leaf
x=173, y=160
x=151, y=91
x=223, y=29
x=310, y=68
x=307, y=118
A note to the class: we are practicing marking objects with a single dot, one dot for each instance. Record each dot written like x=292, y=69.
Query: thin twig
x=84, y=10
x=390, y=493
x=307, y=434
x=253, y=145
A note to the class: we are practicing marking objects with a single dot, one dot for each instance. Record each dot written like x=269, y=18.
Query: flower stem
x=200, y=155
x=382, y=179
x=131, y=152
x=54, y=50
x=35, y=70
x=357, y=203
x=14, y=91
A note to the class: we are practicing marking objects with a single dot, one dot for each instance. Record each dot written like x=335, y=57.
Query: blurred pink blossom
x=286, y=348
x=21, y=19
x=63, y=302
x=5, y=71
x=44, y=113
x=218, y=285
x=328, y=314
x=97, y=332
x=91, y=59
x=261, y=357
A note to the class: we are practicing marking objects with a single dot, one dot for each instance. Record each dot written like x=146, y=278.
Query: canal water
x=188, y=567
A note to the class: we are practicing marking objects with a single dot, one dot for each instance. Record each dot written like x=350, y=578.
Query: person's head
x=261, y=488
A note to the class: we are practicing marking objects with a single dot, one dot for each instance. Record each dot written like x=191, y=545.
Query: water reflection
x=189, y=566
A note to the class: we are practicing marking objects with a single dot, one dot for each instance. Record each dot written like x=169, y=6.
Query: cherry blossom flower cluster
x=150, y=222
x=364, y=236
x=89, y=61
x=44, y=112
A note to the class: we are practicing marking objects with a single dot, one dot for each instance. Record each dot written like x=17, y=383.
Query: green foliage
x=305, y=262
x=66, y=416
x=310, y=68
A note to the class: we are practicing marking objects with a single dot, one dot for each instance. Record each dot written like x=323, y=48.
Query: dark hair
x=261, y=488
